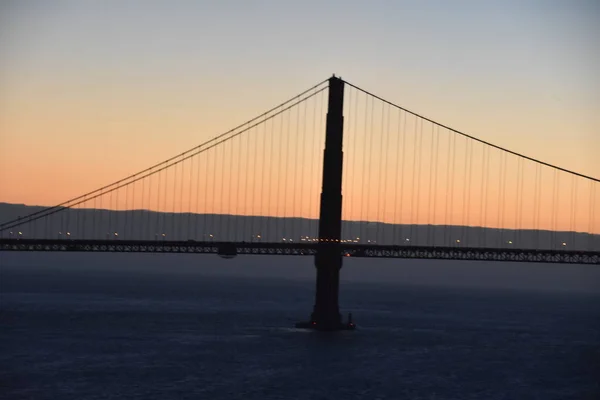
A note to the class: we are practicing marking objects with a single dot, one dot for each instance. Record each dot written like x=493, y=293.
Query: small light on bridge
x=564, y=243
x=20, y=233
x=407, y=239
x=211, y=235
x=510, y=242
x=258, y=236
x=457, y=240
x=116, y=234
x=164, y=234
x=68, y=233
x=347, y=254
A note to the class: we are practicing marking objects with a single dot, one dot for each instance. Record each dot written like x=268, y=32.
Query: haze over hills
x=151, y=225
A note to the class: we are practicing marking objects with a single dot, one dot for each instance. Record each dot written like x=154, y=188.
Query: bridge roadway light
x=564, y=243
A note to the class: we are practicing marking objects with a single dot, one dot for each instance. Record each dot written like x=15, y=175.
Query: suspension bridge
x=389, y=183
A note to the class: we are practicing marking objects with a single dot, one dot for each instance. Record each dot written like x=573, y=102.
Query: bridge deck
x=302, y=249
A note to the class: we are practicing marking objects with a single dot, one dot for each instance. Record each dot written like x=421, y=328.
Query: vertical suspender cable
x=268, y=236
x=447, y=192
x=246, y=189
x=396, y=182
x=239, y=217
x=554, y=207
x=227, y=215
x=382, y=151
x=573, y=223
x=303, y=229
x=126, y=217
x=481, y=194
x=499, y=211
x=469, y=190
x=538, y=181
x=84, y=213
x=363, y=174
x=196, y=216
x=413, y=221
x=386, y=148
x=189, y=204
x=221, y=215
x=286, y=172
x=110, y=212
x=591, y=216
x=485, y=200
x=452, y=175
x=369, y=171
x=418, y=194
x=503, y=205
x=463, y=216
x=430, y=234
x=264, y=174
x=293, y=170
x=404, y=123
x=206, y=189
x=143, y=227
x=180, y=218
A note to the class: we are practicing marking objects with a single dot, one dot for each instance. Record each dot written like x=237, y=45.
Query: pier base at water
x=348, y=326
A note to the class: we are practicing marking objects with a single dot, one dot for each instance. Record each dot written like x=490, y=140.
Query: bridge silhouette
x=393, y=184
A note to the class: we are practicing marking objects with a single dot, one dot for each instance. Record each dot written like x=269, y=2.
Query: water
x=196, y=327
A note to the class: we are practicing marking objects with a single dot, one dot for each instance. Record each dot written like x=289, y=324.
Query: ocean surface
x=141, y=326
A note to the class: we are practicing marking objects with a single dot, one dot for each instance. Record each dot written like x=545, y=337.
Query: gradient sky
x=91, y=91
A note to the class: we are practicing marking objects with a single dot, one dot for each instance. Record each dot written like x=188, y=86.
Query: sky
x=91, y=91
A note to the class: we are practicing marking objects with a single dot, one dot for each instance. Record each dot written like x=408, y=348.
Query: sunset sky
x=91, y=91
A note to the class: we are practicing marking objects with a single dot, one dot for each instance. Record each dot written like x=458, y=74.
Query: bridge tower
x=328, y=260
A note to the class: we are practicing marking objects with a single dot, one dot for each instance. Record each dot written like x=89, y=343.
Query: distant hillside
x=150, y=225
